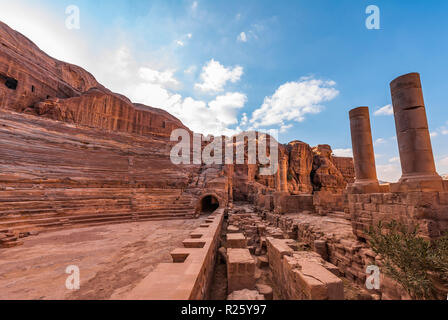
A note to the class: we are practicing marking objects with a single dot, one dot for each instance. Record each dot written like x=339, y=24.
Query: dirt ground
x=112, y=259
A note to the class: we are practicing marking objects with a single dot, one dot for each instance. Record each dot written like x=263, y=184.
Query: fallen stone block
x=245, y=295
x=236, y=240
x=232, y=229
x=265, y=290
x=240, y=270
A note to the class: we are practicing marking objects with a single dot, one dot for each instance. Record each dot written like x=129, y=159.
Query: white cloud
x=214, y=76
x=285, y=128
x=441, y=130
x=244, y=120
x=256, y=31
x=156, y=88
x=394, y=160
x=343, y=152
x=292, y=101
x=242, y=37
x=194, y=5
x=184, y=40
x=47, y=30
x=226, y=106
x=380, y=141
x=389, y=172
x=442, y=165
x=190, y=70
x=165, y=78
x=385, y=111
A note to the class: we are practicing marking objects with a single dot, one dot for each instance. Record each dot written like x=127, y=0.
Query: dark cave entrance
x=11, y=83
x=209, y=204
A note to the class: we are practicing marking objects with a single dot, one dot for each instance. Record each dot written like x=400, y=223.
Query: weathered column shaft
x=363, y=154
x=277, y=177
x=230, y=171
x=284, y=175
x=414, y=142
x=251, y=172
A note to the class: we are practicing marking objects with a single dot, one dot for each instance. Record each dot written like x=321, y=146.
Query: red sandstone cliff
x=73, y=152
x=35, y=83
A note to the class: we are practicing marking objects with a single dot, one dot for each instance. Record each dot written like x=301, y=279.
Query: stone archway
x=208, y=204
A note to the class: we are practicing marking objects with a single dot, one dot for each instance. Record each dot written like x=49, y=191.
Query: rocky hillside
x=35, y=83
x=73, y=152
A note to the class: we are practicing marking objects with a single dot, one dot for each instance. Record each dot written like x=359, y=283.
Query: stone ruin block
x=443, y=198
x=236, y=240
x=302, y=275
x=240, y=270
x=311, y=279
x=427, y=209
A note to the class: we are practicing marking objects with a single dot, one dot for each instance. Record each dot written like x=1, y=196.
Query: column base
x=409, y=183
x=368, y=186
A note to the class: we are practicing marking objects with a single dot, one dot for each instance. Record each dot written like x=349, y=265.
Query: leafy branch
x=419, y=265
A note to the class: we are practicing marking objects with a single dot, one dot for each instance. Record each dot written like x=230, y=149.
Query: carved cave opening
x=11, y=83
x=209, y=204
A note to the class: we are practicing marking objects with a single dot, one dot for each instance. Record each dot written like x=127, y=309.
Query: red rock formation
x=345, y=166
x=300, y=167
x=73, y=152
x=326, y=176
x=103, y=160
x=35, y=83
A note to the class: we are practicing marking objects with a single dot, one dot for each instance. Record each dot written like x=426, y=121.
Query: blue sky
x=224, y=66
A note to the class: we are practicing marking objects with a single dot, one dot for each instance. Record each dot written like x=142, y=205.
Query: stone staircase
x=24, y=211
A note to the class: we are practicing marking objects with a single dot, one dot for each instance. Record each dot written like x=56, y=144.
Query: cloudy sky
x=224, y=66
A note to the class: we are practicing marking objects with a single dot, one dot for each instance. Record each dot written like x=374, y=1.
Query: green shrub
x=419, y=265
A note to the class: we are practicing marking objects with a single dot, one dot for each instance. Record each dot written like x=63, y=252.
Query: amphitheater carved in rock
x=86, y=179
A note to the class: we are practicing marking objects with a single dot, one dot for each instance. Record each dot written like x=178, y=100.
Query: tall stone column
x=251, y=172
x=230, y=169
x=366, y=180
x=414, y=142
x=277, y=176
x=284, y=175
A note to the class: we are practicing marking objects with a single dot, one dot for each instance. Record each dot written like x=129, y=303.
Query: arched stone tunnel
x=208, y=204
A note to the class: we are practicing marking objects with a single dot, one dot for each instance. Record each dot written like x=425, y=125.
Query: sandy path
x=112, y=259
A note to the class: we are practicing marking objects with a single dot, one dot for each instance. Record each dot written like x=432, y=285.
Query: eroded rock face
x=34, y=83
x=308, y=170
x=346, y=167
x=36, y=75
x=326, y=176
x=73, y=152
x=300, y=167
